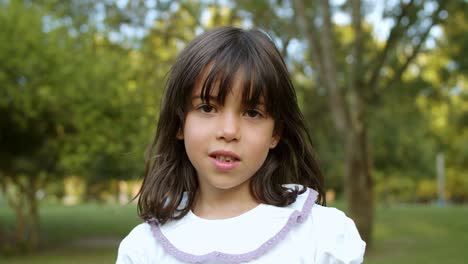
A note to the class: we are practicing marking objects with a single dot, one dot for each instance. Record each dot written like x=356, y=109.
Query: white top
x=303, y=232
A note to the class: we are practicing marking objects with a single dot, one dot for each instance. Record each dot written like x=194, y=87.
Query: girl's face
x=227, y=143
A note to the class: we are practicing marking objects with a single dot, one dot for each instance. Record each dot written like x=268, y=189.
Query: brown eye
x=253, y=113
x=206, y=108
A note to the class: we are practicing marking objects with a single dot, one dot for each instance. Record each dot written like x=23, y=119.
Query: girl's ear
x=276, y=136
x=274, y=141
x=180, y=134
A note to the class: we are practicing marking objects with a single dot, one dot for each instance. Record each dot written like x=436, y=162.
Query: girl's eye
x=206, y=108
x=253, y=113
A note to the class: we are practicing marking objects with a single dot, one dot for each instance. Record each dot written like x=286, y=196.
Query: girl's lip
x=225, y=153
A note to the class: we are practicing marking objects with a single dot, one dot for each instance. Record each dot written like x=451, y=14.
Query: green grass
x=90, y=233
x=420, y=234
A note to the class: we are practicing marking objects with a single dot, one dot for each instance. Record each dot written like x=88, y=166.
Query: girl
x=231, y=176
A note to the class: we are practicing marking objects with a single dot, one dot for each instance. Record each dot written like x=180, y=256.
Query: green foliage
x=395, y=188
x=456, y=42
x=427, y=190
x=457, y=185
x=30, y=103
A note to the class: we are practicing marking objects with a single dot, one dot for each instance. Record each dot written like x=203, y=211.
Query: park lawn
x=420, y=234
x=90, y=233
x=87, y=233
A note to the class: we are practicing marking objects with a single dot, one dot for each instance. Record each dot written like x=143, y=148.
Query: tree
x=348, y=102
x=78, y=97
x=61, y=106
x=32, y=120
x=354, y=69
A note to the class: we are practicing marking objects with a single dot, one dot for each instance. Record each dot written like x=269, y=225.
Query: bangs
x=238, y=63
x=221, y=78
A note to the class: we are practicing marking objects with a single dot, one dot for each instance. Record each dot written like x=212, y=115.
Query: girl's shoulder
x=333, y=234
x=138, y=246
x=338, y=237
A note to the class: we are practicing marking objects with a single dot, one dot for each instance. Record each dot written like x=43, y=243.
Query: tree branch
x=393, y=37
x=356, y=65
x=310, y=32
x=337, y=102
x=416, y=50
x=284, y=49
x=355, y=100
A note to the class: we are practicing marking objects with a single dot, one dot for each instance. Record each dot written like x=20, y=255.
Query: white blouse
x=303, y=232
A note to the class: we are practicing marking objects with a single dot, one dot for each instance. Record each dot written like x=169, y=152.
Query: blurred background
x=383, y=86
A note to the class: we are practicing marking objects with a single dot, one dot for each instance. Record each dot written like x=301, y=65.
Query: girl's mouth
x=224, y=160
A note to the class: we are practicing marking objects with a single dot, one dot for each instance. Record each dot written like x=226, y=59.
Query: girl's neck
x=223, y=204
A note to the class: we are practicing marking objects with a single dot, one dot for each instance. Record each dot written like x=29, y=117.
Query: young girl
x=231, y=176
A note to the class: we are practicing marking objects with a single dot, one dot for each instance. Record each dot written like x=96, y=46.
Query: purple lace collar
x=296, y=217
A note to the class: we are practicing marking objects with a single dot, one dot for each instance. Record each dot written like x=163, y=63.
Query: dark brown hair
x=228, y=50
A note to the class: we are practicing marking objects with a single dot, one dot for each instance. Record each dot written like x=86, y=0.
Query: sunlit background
x=383, y=86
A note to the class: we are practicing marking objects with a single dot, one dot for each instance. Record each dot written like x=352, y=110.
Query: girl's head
x=229, y=107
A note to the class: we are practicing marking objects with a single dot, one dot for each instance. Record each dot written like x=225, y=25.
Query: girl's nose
x=229, y=127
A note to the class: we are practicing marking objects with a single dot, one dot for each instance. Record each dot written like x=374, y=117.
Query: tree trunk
x=15, y=199
x=349, y=120
x=20, y=227
x=33, y=214
x=358, y=182
x=3, y=239
x=21, y=198
x=347, y=112
x=358, y=179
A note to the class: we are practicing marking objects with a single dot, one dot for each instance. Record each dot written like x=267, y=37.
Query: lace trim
x=295, y=218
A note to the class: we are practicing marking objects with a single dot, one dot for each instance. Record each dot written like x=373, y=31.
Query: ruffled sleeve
x=128, y=257
x=341, y=243
x=136, y=247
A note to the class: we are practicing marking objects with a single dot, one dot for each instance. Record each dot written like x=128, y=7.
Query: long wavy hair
x=228, y=50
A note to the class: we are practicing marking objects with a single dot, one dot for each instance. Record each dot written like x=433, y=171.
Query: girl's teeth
x=223, y=158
